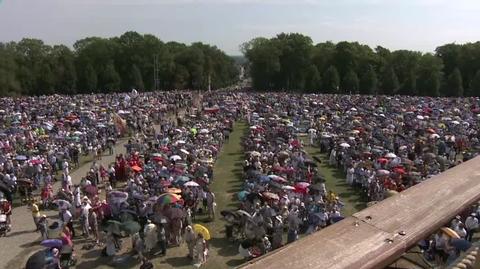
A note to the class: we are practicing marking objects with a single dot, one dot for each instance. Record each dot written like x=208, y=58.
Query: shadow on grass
x=178, y=261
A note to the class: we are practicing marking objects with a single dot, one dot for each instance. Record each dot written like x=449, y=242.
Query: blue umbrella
x=460, y=244
x=21, y=158
x=52, y=243
x=264, y=179
x=242, y=195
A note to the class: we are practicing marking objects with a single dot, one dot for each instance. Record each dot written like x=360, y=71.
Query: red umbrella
x=137, y=168
x=431, y=131
x=382, y=160
x=399, y=170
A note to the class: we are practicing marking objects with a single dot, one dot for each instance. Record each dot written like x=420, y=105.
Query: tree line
x=30, y=67
x=292, y=62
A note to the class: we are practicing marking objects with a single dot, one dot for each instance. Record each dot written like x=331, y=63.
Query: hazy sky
x=395, y=24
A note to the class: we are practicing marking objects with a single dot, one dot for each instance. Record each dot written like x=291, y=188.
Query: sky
x=395, y=24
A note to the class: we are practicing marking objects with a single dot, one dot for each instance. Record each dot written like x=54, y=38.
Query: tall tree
x=429, y=75
x=137, y=78
x=350, y=83
x=109, y=78
x=409, y=85
x=90, y=79
x=369, y=81
x=455, y=84
x=474, y=88
x=313, y=79
x=389, y=81
x=331, y=80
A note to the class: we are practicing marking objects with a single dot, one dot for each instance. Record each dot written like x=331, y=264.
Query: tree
x=137, y=78
x=409, y=85
x=109, y=78
x=313, y=79
x=474, y=89
x=350, y=83
x=455, y=83
x=331, y=80
x=429, y=75
x=369, y=81
x=9, y=85
x=389, y=81
x=90, y=79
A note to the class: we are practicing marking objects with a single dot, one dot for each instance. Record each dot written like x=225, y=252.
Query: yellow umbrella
x=200, y=229
x=174, y=190
x=450, y=232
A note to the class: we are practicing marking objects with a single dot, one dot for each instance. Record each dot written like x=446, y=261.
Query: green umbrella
x=113, y=226
x=130, y=227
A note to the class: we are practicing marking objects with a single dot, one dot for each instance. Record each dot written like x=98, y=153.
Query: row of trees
x=293, y=62
x=31, y=67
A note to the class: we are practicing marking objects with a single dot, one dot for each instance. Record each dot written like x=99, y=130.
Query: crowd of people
x=157, y=191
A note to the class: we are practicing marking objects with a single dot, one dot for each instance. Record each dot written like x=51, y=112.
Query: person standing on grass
x=190, y=240
x=35, y=215
x=43, y=227
x=200, y=251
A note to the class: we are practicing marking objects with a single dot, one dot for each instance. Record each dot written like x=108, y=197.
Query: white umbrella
x=191, y=184
x=390, y=155
x=455, y=122
x=344, y=145
x=175, y=158
x=185, y=151
x=255, y=153
x=383, y=172
x=180, y=142
x=420, y=117
x=203, y=131
x=288, y=187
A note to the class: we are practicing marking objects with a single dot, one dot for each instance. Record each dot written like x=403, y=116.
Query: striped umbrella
x=168, y=198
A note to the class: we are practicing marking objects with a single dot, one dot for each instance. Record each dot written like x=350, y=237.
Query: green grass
x=335, y=180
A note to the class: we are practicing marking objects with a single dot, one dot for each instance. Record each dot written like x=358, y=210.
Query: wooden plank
x=418, y=212
x=424, y=208
x=341, y=245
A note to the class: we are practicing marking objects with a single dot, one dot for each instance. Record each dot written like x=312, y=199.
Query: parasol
x=130, y=227
x=168, y=198
x=270, y=195
x=175, y=158
x=174, y=190
x=344, y=145
x=91, y=189
x=21, y=158
x=200, y=229
x=113, y=226
x=390, y=155
x=383, y=172
x=288, y=188
x=302, y=185
x=243, y=213
x=191, y=184
x=62, y=204
x=449, y=232
x=52, y=243
x=136, y=168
